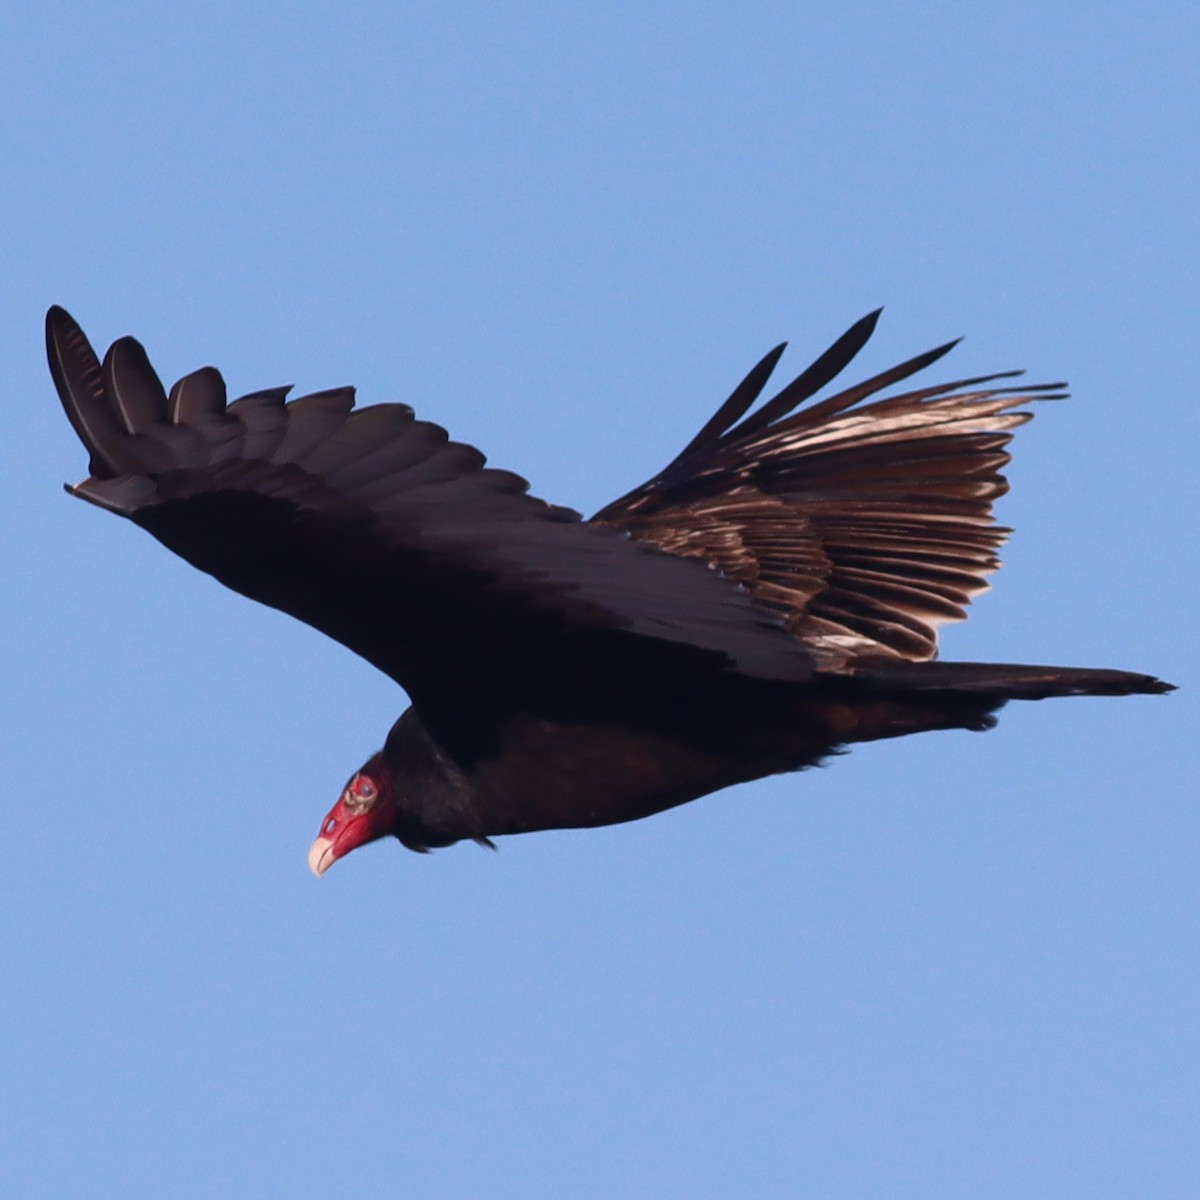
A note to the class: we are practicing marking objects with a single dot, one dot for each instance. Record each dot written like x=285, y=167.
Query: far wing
x=373, y=527
x=866, y=526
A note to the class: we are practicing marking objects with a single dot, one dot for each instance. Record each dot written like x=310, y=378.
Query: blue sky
x=952, y=966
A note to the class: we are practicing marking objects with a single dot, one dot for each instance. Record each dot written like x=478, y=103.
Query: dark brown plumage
x=773, y=594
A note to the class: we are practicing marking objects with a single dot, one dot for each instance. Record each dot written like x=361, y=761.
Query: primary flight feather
x=772, y=595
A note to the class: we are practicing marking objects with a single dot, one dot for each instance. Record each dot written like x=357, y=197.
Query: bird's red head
x=366, y=810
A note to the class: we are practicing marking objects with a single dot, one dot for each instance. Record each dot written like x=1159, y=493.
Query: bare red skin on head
x=347, y=826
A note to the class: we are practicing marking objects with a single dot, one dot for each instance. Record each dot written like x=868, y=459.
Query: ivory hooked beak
x=321, y=856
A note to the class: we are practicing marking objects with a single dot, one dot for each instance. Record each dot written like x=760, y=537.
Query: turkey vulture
x=773, y=594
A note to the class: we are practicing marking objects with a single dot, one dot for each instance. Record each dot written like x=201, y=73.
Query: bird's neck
x=436, y=802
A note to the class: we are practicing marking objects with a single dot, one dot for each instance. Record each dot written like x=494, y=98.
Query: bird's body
x=536, y=771
x=773, y=595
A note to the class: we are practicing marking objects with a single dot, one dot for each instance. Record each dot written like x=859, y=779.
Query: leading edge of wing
x=262, y=493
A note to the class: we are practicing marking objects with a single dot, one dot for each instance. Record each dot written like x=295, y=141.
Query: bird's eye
x=361, y=793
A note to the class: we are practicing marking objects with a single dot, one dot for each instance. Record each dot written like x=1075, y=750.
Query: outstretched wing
x=373, y=527
x=866, y=526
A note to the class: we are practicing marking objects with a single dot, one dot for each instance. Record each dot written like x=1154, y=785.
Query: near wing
x=376, y=529
x=865, y=526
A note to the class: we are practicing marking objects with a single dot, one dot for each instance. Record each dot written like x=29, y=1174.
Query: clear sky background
x=952, y=966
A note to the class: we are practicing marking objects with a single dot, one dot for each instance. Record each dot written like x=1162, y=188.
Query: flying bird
x=772, y=595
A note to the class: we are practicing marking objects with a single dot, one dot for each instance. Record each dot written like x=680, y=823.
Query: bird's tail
x=891, y=699
x=1008, y=681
